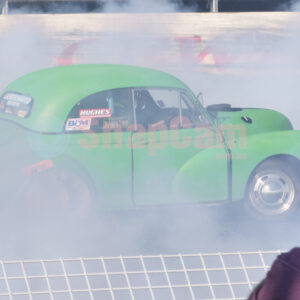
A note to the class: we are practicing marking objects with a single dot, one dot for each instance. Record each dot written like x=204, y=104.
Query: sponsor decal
x=112, y=126
x=8, y=110
x=22, y=113
x=17, y=98
x=13, y=103
x=95, y=113
x=78, y=124
x=16, y=104
x=115, y=124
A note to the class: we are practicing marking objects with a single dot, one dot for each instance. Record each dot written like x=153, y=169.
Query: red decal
x=38, y=167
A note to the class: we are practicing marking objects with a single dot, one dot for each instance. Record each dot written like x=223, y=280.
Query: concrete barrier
x=65, y=30
x=75, y=26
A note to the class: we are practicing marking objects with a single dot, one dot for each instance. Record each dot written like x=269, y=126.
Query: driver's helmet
x=140, y=99
x=144, y=101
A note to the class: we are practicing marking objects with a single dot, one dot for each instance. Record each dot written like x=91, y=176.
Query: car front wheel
x=273, y=189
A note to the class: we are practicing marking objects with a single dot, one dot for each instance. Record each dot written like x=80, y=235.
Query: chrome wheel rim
x=272, y=192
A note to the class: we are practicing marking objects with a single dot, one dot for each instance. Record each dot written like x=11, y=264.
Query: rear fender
x=67, y=163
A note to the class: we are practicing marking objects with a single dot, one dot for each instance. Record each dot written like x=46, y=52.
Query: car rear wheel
x=273, y=189
x=56, y=193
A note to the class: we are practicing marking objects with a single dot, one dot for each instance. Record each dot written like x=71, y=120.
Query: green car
x=104, y=137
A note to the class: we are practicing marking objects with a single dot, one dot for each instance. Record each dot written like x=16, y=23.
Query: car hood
x=255, y=120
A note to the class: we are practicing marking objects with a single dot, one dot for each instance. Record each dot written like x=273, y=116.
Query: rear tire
x=56, y=193
x=273, y=189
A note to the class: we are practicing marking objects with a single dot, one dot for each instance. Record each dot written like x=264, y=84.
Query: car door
x=171, y=139
x=99, y=127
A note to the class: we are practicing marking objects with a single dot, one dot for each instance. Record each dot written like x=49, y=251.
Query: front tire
x=273, y=189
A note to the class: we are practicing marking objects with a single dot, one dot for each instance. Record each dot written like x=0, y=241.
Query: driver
x=147, y=112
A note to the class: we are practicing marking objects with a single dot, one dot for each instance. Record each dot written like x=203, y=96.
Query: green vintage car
x=105, y=137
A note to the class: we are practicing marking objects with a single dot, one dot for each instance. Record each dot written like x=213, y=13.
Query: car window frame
x=199, y=109
x=156, y=88
x=192, y=104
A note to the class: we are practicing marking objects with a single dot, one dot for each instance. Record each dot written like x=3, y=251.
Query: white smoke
x=109, y=6
x=140, y=6
x=266, y=77
x=28, y=48
x=24, y=48
x=295, y=6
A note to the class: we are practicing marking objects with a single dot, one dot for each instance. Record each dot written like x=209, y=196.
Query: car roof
x=56, y=90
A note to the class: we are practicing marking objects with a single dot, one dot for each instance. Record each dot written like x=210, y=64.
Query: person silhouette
x=282, y=282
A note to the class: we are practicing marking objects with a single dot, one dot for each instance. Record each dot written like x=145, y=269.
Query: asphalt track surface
x=154, y=231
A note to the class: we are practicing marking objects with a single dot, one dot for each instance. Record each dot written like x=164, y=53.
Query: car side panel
x=204, y=177
x=107, y=158
x=179, y=166
x=103, y=160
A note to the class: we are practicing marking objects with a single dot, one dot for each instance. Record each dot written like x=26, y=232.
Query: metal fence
x=158, y=277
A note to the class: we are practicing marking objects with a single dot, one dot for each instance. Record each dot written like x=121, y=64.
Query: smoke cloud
x=295, y=5
x=255, y=70
x=266, y=78
x=24, y=48
x=140, y=6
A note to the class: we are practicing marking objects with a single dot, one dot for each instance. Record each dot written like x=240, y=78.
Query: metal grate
x=158, y=277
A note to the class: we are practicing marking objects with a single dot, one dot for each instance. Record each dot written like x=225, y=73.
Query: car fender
x=256, y=150
x=197, y=179
x=62, y=164
x=70, y=164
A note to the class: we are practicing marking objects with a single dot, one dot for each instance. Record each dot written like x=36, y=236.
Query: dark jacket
x=282, y=281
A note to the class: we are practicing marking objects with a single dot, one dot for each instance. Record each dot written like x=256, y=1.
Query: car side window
x=164, y=109
x=101, y=112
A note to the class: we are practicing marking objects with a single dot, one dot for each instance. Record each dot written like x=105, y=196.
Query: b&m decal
x=95, y=113
x=78, y=124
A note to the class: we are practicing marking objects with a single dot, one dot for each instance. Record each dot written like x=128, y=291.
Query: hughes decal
x=95, y=113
